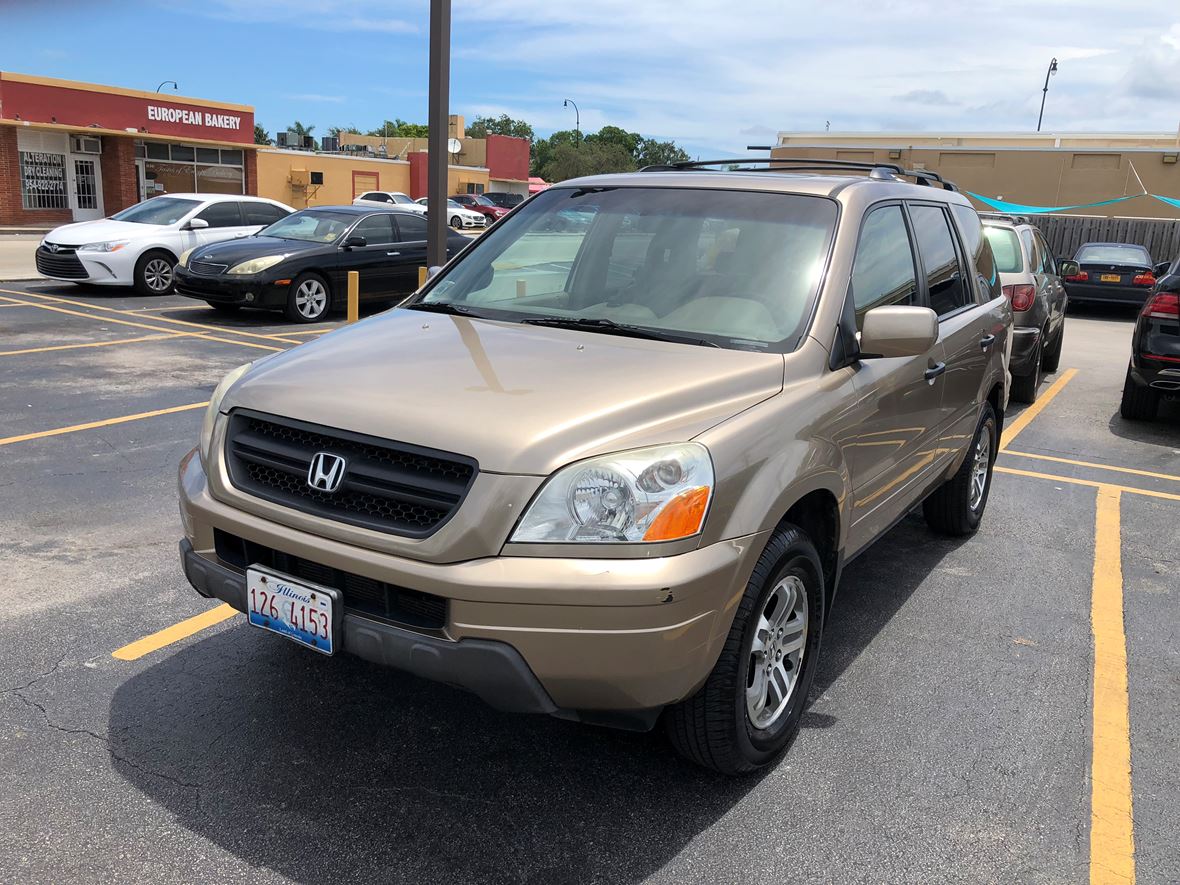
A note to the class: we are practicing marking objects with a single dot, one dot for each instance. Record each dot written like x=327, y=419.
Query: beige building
x=1032, y=169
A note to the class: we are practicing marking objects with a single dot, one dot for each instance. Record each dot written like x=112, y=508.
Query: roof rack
x=1006, y=216
x=809, y=164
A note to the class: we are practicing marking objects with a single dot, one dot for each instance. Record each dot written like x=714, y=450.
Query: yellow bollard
x=354, y=296
x=421, y=277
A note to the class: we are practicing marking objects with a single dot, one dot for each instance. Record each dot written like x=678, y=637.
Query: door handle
x=934, y=371
x=987, y=341
x=393, y=253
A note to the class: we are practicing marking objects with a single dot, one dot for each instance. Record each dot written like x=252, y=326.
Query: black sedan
x=1111, y=273
x=1154, y=372
x=300, y=263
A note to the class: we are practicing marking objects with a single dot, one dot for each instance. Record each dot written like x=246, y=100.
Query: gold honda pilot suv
x=609, y=462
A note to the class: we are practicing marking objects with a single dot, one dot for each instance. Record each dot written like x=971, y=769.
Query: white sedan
x=459, y=216
x=385, y=198
x=140, y=245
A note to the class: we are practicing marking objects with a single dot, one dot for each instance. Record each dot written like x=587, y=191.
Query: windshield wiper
x=444, y=307
x=610, y=327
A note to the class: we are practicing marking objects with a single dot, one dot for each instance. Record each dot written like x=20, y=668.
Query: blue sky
x=713, y=78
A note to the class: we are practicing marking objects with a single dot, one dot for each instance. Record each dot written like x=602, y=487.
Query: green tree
x=337, y=131
x=399, y=128
x=658, y=153
x=591, y=158
x=542, y=150
x=261, y=136
x=628, y=141
x=482, y=127
x=301, y=130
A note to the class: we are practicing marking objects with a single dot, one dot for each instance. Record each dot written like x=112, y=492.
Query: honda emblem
x=326, y=472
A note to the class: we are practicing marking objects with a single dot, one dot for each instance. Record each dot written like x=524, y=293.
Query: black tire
x=1025, y=387
x=456, y=222
x=1139, y=403
x=1052, y=358
x=713, y=727
x=222, y=307
x=949, y=509
x=296, y=309
x=151, y=278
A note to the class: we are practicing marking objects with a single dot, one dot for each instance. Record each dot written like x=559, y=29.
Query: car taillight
x=1144, y=279
x=1021, y=295
x=1080, y=277
x=1164, y=306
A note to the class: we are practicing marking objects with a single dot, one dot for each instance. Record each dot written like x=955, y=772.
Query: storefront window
x=219, y=180
x=43, y=180
x=215, y=171
x=168, y=178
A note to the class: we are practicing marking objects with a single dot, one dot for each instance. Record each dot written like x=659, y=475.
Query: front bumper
x=248, y=291
x=1024, y=346
x=94, y=268
x=618, y=635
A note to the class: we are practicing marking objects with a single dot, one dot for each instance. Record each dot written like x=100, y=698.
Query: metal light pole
x=175, y=87
x=1045, y=92
x=577, y=118
x=437, y=123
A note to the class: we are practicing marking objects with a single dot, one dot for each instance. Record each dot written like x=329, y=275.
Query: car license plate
x=1111, y=278
x=295, y=609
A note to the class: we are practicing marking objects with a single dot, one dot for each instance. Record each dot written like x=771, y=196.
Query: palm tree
x=301, y=130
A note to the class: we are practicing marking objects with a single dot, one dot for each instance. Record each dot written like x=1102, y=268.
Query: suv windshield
x=735, y=268
x=1006, y=248
x=313, y=225
x=1113, y=253
x=157, y=210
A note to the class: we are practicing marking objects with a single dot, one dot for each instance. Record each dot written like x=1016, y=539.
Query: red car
x=480, y=203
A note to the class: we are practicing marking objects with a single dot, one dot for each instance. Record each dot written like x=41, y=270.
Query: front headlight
x=183, y=260
x=257, y=265
x=656, y=494
x=111, y=246
x=215, y=406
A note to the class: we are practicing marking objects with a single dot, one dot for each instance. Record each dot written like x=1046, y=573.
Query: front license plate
x=295, y=609
x=1111, y=278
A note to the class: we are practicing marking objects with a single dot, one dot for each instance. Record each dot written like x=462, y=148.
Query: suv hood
x=520, y=399
x=102, y=230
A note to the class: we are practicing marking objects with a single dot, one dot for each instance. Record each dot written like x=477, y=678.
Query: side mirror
x=1068, y=268
x=355, y=242
x=1161, y=269
x=898, y=330
x=196, y=224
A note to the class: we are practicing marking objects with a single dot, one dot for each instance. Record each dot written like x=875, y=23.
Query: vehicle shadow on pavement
x=1163, y=431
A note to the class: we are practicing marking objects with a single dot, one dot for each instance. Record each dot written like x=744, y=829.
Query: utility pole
x=1045, y=92
x=437, y=123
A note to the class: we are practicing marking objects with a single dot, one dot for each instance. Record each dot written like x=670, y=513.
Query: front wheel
x=308, y=300
x=750, y=706
x=153, y=273
x=456, y=222
x=956, y=507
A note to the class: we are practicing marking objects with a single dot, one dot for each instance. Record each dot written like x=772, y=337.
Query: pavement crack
x=17, y=689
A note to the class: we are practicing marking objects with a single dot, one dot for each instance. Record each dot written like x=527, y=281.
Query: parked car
x=1154, y=372
x=139, y=246
x=300, y=264
x=1111, y=273
x=1031, y=282
x=389, y=198
x=458, y=216
x=624, y=487
x=481, y=204
x=504, y=199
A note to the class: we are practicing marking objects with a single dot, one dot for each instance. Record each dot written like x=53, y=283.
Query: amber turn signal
x=681, y=517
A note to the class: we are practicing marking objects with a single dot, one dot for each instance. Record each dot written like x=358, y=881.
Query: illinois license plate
x=1111, y=278
x=300, y=611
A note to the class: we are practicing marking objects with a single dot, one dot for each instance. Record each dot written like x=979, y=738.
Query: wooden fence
x=1160, y=236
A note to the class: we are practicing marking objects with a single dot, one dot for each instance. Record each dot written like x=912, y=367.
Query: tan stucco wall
x=1042, y=176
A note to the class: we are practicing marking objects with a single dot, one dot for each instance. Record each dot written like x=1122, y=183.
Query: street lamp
x=175, y=87
x=577, y=118
x=1045, y=92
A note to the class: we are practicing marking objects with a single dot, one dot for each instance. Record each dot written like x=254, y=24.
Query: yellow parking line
x=158, y=319
x=1069, y=480
x=106, y=422
x=90, y=316
x=1168, y=476
x=1112, y=839
x=175, y=633
x=93, y=343
x=311, y=331
x=1025, y=418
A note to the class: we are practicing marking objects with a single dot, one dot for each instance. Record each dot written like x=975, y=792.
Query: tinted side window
x=376, y=197
x=1030, y=249
x=883, y=270
x=262, y=213
x=376, y=229
x=411, y=228
x=936, y=245
x=980, y=248
x=1048, y=262
x=221, y=215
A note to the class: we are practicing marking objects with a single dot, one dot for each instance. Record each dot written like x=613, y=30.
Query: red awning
x=537, y=184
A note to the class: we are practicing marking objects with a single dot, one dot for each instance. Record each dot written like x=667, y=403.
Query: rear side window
x=936, y=245
x=262, y=213
x=1048, y=262
x=883, y=270
x=376, y=229
x=988, y=277
x=224, y=214
x=1006, y=249
x=1030, y=248
x=411, y=227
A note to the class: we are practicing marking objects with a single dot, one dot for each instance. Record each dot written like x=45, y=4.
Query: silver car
x=1031, y=281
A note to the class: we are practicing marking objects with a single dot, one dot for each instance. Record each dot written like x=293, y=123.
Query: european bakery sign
x=190, y=117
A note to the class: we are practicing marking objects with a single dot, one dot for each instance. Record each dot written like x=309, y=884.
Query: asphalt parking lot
x=969, y=722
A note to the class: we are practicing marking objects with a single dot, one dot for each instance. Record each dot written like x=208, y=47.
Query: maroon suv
x=480, y=203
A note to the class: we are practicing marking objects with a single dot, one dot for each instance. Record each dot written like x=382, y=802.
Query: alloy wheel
x=979, y=467
x=776, y=653
x=157, y=274
x=311, y=299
